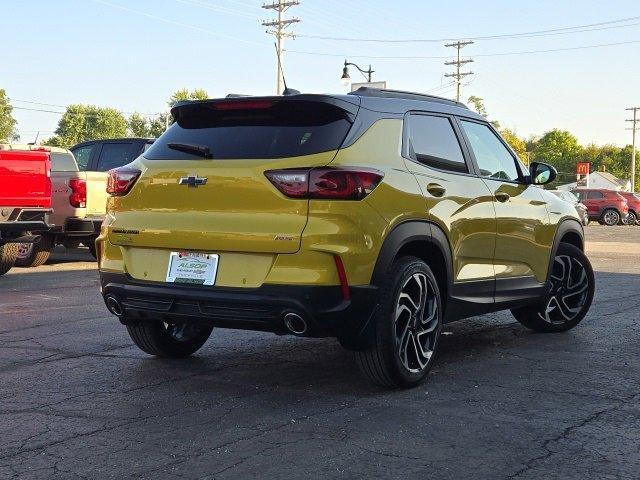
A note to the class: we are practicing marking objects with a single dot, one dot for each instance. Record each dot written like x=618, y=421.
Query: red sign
x=582, y=168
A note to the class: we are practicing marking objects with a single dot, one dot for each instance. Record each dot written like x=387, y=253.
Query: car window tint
x=63, y=162
x=493, y=158
x=593, y=195
x=114, y=155
x=433, y=142
x=83, y=156
x=280, y=129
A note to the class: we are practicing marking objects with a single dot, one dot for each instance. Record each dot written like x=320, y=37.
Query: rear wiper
x=199, y=150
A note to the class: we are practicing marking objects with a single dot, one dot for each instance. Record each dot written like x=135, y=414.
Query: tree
x=560, y=149
x=8, y=124
x=478, y=105
x=138, y=125
x=185, y=94
x=88, y=122
x=517, y=144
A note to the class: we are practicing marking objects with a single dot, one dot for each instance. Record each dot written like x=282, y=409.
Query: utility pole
x=277, y=29
x=634, y=128
x=458, y=75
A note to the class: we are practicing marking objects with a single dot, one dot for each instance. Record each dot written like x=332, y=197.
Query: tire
x=410, y=305
x=8, y=255
x=569, y=295
x=92, y=249
x=34, y=254
x=610, y=217
x=168, y=341
x=632, y=218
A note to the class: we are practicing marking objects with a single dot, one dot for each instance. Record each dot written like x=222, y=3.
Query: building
x=604, y=180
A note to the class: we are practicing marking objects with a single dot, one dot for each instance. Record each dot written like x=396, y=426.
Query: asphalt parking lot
x=78, y=400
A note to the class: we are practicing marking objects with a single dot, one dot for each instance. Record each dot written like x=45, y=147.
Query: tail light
x=78, y=197
x=344, y=183
x=121, y=180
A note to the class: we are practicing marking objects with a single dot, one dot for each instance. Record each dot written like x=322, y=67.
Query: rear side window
x=594, y=195
x=261, y=130
x=83, y=156
x=63, y=162
x=433, y=142
x=114, y=155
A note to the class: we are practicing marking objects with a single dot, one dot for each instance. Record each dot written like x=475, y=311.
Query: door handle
x=436, y=190
x=502, y=196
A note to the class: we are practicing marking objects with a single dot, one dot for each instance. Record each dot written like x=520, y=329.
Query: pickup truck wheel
x=8, y=255
x=408, y=324
x=569, y=294
x=34, y=254
x=169, y=340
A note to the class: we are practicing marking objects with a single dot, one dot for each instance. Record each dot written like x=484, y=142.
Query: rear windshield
x=282, y=129
x=63, y=162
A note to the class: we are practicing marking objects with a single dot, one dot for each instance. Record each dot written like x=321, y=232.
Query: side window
x=83, y=156
x=494, y=160
x=595, y=195
x=114, y=155
x=433, y=142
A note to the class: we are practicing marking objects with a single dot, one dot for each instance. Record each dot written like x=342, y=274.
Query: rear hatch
x=203, y=183
x=25, y=178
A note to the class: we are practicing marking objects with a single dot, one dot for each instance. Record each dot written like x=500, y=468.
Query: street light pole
x=367, y=74
x=633, y=147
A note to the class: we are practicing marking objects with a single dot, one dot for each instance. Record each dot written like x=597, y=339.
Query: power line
x=539, y=33
x=277, y=28
x=440, y=57
x=459, y=62
x=32, y=102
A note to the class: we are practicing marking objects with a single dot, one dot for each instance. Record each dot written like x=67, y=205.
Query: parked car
x=95, y=158
x=373, y=217
x=605, y=206
x=70, y=198
x=633, y=201
x=25, y=199
x=580, y=207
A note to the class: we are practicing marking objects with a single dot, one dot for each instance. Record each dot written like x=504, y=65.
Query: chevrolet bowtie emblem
x=192, y=181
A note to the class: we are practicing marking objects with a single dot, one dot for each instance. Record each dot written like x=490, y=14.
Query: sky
x=132, y=54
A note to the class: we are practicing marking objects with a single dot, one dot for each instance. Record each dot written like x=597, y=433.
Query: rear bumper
x=15, y=222
x=82, y=226
x=322, y=307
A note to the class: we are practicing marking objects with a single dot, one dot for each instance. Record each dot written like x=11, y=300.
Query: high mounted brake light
x=121, y=180
x=243, y=105
x=343, y=183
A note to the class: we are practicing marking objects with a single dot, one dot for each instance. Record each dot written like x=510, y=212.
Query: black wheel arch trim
x=408, y=232
x=569, y=225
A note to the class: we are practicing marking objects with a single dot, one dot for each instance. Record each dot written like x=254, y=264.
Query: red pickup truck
x=25, y=199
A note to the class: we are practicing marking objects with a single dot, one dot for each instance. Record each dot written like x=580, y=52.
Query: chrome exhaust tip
x=295, y=324
x=113, y=305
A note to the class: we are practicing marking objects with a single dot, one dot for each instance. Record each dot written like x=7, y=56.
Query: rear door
x=456, y=199
x=222, y=201
x=524, y=237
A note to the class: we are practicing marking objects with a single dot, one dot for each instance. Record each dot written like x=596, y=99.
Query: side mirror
x=541, y=173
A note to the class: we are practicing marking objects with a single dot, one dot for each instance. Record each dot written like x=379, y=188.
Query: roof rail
x=383, y=93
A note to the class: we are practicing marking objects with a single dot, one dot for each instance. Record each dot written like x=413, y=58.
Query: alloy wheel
x=569, y=290
x=416, y=322
x=611, y=217
x=631, y=219
x=24, y=250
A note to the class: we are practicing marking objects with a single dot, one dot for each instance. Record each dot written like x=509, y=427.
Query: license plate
x=194, y=268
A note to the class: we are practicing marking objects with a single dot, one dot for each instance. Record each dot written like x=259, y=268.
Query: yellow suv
x=373, y=217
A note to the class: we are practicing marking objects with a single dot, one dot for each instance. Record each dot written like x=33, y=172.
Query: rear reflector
x=121, y=180
x=78, y=197
x=344, y=183
x=342, y=275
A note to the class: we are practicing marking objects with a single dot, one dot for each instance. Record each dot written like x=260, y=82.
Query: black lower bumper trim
x=322, y=307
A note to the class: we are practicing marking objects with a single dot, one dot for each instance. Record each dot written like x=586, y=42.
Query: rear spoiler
x=350, y=105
